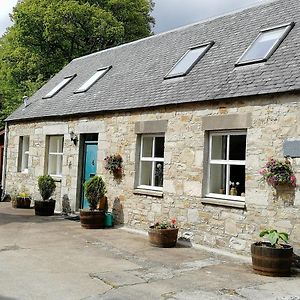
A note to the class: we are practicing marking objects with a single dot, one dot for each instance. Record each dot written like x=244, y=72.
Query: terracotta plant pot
x=44, y=207
x=271, y=261
x=22, y=202
x=92, y=219
x=164, y=238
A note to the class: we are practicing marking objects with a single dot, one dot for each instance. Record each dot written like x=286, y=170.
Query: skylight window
x=265, y=44
x=58, y=87
x=188, y=60
x=100, y=73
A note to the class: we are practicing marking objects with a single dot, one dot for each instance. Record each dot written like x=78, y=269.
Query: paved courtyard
x=54, y=258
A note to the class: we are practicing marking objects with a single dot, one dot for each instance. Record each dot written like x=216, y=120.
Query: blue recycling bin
x=108, y=219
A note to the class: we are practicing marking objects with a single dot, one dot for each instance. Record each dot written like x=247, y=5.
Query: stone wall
x=273, y=119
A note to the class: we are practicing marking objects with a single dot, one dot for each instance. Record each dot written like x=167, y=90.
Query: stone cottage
x=193, y=112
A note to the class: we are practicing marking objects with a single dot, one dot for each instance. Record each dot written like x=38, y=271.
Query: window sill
x=148, y=192
x=56, y=178
x=224, y=202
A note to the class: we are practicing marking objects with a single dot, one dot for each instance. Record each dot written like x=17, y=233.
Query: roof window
x=188, y=60
x=59, y=86
x=265, y=44
x=100, y=73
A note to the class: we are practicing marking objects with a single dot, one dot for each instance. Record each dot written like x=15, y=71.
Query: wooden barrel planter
x=22, y=202
x=44, y=207
x=164, y=238
x=271, y=261
x=92, y=219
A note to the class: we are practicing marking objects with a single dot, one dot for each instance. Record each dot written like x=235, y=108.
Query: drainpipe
x=3, y=183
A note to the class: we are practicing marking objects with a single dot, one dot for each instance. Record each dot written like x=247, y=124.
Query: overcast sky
x=168, y=14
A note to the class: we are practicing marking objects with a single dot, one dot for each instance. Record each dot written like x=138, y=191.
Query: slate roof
x=136, y=79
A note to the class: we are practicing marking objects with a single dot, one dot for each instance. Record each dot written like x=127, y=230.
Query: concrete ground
x=54, y=258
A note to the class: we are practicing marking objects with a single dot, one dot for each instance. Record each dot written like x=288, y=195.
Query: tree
x=48, y=34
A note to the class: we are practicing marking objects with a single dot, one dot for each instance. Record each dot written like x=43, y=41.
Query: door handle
x=92, y=175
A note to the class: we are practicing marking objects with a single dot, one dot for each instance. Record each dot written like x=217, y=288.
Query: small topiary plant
x=46, y=186
x=94, y=190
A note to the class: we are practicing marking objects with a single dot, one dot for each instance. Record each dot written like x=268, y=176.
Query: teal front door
x=89, y=167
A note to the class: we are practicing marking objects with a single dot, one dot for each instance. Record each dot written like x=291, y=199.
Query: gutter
x=3, y=183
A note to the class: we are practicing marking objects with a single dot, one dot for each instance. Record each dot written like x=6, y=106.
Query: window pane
x=237, y=148
x=56, y=89
x=158, y=174
x=147, y=146
x=25, y=162
x=146, y=173
x=187, y=61
x=26, y=143
x=92, y=80
x=263, y=44
x=219, y=146
x=55, y=164
x=56, y=144
x=237, y=180
x=217, y=180
x=159, y=147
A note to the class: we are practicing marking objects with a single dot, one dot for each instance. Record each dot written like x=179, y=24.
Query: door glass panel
x=147, y=146
x=237, y=180
x=159, y=147
x=146, y=173
x=158, y=174
x=219, y=146
x=217, y=181
x=237, y=148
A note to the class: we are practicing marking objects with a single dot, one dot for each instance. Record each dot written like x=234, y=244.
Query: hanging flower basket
x=276, y=173
x=114, y=164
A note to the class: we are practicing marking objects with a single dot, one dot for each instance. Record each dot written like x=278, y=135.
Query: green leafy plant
x=164, y=224
x=94, y=190
x=46, y=186
x=275, y=237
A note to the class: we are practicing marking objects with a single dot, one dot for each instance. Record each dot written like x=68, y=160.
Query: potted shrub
x=47, y=187
x=94, y=190
x=163, y=234
x=272, y=258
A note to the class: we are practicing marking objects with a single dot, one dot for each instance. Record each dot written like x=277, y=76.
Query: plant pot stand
x=92, y=219
x=44, y=207
x=271, y=261
x=164, y=238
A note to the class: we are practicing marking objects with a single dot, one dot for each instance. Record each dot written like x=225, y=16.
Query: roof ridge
x=236, y=11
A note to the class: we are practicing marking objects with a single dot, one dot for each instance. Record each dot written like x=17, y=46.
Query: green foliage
x=94, y=190
x=274, y=236
x=46, y=186
x=48, y=34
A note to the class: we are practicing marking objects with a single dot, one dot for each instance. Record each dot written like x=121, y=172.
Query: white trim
x=224, y=162
x=152, y=159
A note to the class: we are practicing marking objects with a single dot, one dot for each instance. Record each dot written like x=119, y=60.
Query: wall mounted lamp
x=73, y=137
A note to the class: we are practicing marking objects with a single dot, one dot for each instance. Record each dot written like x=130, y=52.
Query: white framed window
x=265, y=44
x=226, y=165
x=55, y=154
x=151, y=164
x=23, y=154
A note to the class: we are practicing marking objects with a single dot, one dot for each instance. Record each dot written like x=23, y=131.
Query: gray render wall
x=270, y=121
